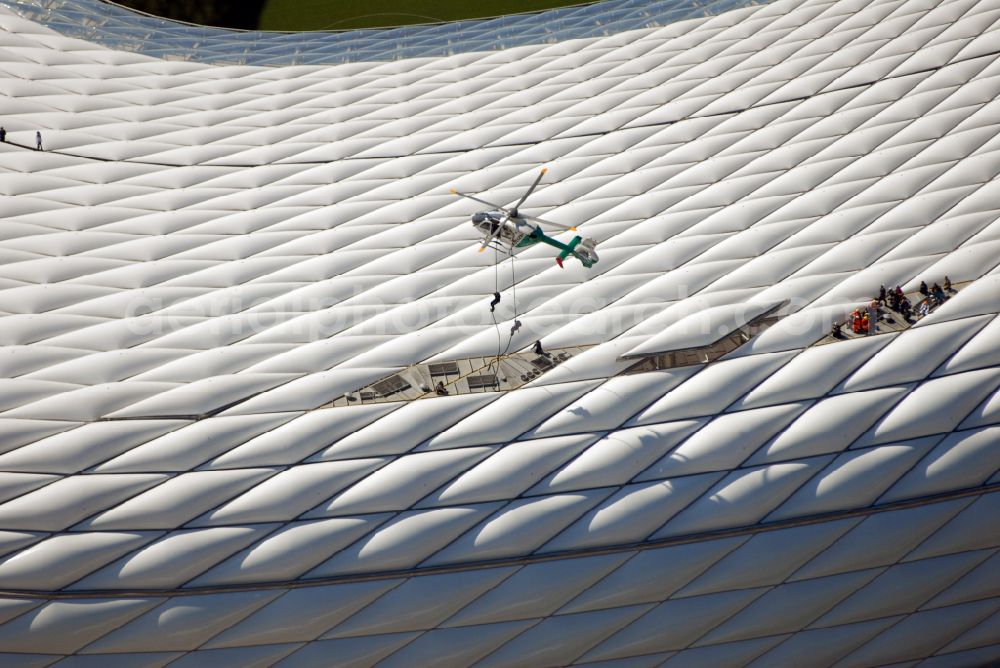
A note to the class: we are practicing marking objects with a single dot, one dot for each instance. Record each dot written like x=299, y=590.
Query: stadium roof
x=120, y=28
x=203, y=259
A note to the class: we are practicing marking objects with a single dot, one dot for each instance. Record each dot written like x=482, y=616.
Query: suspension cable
x=494, y=366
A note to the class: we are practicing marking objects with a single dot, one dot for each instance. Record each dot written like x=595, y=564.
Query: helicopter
x=509, y=229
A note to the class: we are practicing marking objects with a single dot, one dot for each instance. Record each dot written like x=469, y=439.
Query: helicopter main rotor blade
x=531, y=189
x=548, y=222
x=481, y=201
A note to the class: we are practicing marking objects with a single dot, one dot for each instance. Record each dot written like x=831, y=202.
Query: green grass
x=350, y=14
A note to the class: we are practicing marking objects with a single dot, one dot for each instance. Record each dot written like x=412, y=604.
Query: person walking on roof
x=3, y=134
x=38, y=140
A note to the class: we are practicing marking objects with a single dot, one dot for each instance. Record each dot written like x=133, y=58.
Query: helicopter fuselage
x=512, y=232
x=518, y=233
x=505, y=229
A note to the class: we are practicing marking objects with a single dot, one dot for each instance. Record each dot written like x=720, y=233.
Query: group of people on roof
x=936, y=294
x=864, y=319
x=897, y=301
